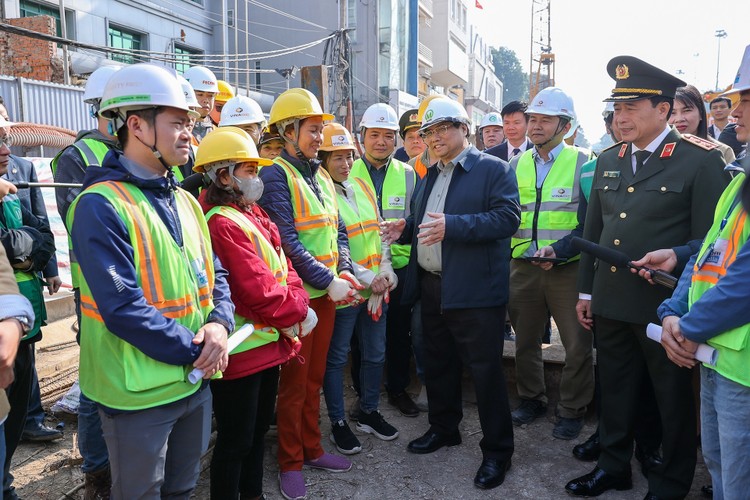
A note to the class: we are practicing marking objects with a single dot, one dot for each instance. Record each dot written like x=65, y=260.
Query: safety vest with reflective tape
x=551, y=214
x=177, y=282
x=92, y=153
x=316, y=222
x=363, y=227
x=276, y=262
x=395, y=199
x=734, y=353
x=29, y=283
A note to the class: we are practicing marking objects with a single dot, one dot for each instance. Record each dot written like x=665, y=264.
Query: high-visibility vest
x=395, y=199
x=551, y=212
x=92, y=152
x=29, y=283
x=177, y=282
x=421, y=166
x=276, y=262
x=316, y=222
x=734, y=353
x=363, y=227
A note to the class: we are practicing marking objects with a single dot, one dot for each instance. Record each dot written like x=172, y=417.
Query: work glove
x=308, y=323
x=343, y=290
x=291, y=332
x=386, y=271
x=375, y=304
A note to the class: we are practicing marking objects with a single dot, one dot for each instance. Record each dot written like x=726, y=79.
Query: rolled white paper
x=704, y=354
x=233, y=341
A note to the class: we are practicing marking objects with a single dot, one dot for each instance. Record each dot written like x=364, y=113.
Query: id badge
x=199, y=269
x=561, y=194
x=396, y=202
x=715, y=254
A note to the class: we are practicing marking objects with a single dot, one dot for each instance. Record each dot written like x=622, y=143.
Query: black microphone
x=193, y=182
x=621, y=260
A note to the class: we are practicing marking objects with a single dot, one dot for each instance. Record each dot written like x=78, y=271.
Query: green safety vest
x=362, y=227
x=587, y=177
x=734, y=355
x=29, y=283
x=92, y=152
x=317, y=223
x=177, y=282
x=550, y=213
x=395, y=200
x=276, y=262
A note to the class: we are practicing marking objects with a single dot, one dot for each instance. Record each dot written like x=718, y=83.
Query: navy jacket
x=32, y=199
x=102, y=243
x=277, y=202
x=482, y=212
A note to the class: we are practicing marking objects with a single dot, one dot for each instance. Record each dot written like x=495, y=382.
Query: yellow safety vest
x=178, y=282
x=551, y=212
x=363, y=227
x=395, y=199
x=711, y=266
x=317, y=223
x=276, y=262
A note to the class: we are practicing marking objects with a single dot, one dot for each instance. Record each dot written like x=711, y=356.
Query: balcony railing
x=425, y=54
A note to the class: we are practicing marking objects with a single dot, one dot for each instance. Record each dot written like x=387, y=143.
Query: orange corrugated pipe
x=36, y=134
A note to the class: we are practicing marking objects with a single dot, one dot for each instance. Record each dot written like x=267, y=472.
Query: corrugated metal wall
x=43, y=102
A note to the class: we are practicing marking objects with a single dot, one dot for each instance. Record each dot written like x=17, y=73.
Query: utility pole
x=719, y=35
x=64, y=34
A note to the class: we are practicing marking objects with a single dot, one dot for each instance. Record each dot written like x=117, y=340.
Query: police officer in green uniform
x=655, y=190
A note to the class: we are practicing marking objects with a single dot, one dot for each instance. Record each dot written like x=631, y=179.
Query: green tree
x=508, y=69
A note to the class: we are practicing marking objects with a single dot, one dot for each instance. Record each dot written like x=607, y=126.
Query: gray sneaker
x=374, y=423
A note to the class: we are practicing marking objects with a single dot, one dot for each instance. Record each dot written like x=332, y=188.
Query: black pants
x=455, y=338
x=626, y=356
x=19, y=393
x=243, y=409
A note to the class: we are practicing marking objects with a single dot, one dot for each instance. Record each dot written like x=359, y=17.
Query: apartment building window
x=30, y=9
x=458, y=14
x=186, y=57
x=123, y=38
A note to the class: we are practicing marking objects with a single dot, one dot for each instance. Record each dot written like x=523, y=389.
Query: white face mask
x=251, y=187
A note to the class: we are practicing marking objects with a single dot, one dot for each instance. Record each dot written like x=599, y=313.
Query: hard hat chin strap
x=295, y=142
x=560, y=126
x=153, y=149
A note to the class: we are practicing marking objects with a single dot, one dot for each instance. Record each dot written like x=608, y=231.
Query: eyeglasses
x=438, y=131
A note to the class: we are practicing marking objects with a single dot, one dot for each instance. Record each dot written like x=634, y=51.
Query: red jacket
x=255, y=292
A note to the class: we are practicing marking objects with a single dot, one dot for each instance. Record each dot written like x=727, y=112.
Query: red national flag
x=478, y=5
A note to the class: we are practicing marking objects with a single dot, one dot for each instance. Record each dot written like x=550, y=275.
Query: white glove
x=308, y=323
x=292, y=332
x=375, y=306
x=340, y=290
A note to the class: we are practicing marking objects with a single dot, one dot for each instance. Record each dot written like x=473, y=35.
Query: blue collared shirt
x=543, y=167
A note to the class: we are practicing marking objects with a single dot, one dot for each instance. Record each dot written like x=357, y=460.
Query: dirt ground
x=383, y=470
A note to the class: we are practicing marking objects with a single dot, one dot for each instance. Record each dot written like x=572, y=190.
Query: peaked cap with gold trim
x=636, y=80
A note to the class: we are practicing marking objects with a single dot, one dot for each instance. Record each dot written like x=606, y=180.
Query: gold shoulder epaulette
x=701, y=143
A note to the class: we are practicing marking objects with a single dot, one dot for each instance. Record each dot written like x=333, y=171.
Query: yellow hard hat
x=425, y=102
x=336, y=138
x=225, y=146
x=296, y=104
x=226, y=92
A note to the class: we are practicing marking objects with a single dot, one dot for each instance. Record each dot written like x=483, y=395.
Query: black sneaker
x=374, y=423
x=528, y=411
x=567, y=428
x=344, y=439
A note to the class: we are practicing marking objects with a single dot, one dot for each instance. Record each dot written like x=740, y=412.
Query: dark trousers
x=626, y=356
x=398, y=344
x=243, y=409
x=35, y=416
x=18, y=396
x=455, y=338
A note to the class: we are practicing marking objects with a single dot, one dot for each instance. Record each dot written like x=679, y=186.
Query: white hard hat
x=492, y=118
x=241, y=110
x=96, y=82
x=201, y=78
x=552, y=101
x=742, y=80
x=442, y=110
x=380, y=115
x=5, y=123
x=187, y=89
x=142, y=86
x=609, y=108
x=573, y=126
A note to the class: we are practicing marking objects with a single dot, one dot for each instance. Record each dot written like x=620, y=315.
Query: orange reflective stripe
x=368, y=192
x=328, y=260
x=152, y=284
x=312, y=222
x=370, y=261
x=299, y=198
x=89, y=308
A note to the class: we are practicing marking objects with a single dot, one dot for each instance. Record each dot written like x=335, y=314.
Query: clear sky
x=678, y=36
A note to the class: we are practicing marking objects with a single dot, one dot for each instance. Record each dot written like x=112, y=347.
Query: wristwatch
x=21, y=319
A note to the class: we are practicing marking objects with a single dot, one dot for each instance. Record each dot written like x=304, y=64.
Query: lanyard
x=723, y=224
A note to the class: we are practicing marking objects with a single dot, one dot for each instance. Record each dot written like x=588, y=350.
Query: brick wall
x=30, y=57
